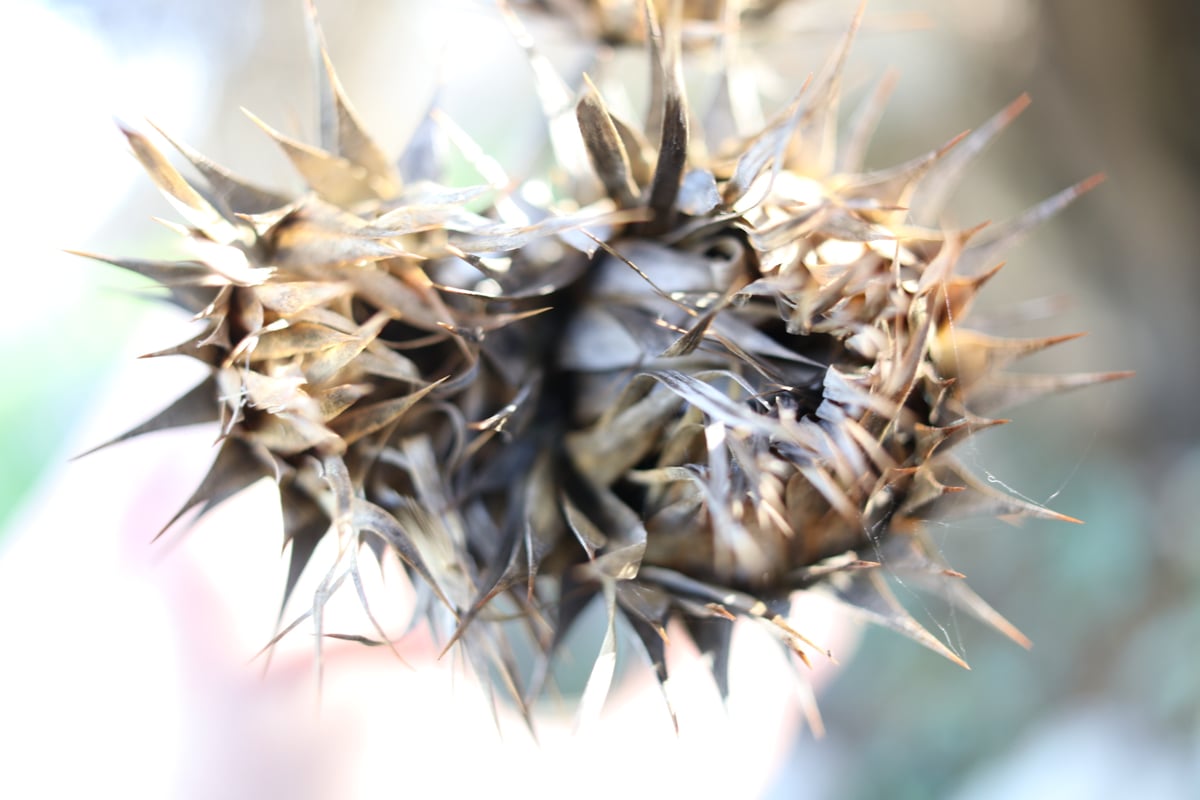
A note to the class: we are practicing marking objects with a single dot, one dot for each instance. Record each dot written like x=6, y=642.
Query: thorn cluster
x=731, y=365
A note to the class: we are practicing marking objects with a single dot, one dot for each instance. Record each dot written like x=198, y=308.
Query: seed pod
x=719, y=371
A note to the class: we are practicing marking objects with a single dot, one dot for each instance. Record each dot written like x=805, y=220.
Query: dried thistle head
x=728, y=367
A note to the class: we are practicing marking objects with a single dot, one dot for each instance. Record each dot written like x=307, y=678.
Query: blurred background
x=104, y=633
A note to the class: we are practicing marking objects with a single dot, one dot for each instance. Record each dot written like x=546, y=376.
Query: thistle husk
x=731, y=366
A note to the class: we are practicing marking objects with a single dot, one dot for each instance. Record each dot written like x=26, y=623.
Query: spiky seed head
x=717, y=374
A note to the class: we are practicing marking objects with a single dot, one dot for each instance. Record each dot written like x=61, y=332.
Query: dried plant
x=723, y=367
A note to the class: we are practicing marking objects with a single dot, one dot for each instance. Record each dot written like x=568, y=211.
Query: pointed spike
x=808, y=706
x=964, y=597
x=958, y=292
x=268, y=648
x=323, y=366
x=687, y=344
x=713, y=637
x=488, y=167
x=813, y=147
x=165, y=273
x=868, y=596
x=384, y=639
x=956, y=591
x=920, y=565
x=334, y=178
x=556, y=97
x=210, y=355
x=932, y=439
x=328, y=586
x=1001, y=237
x=768, y=147
x=192, y=286
x=194, y=208
x=327, y=121
x=231, y=191
x=508, y=577
x=1005, y=390
x=893, y=186
x=670, y=116
x=937, y=185
x=941, y=268
x=543, y=524
x=672, y=158
x=902, y=379
x=235, y=468
x=361, y=422
x=605, y=148
x=341, y=131
x=199, y=405
x=647, y=604
x=967, y=356
x=589, y=535
x=574, y=597
x=656, y=104
x=804, y=577
x=595, y=691
x=304, y=525
x=853, y=152
x=653, y=649
x=976, y=498
x=736, y=107
x=367, y=516
x=424, y=156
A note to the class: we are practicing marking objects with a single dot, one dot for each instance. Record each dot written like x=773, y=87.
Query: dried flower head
x=725, y=366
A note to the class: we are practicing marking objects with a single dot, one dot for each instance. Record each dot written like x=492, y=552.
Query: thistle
x=723, y=367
